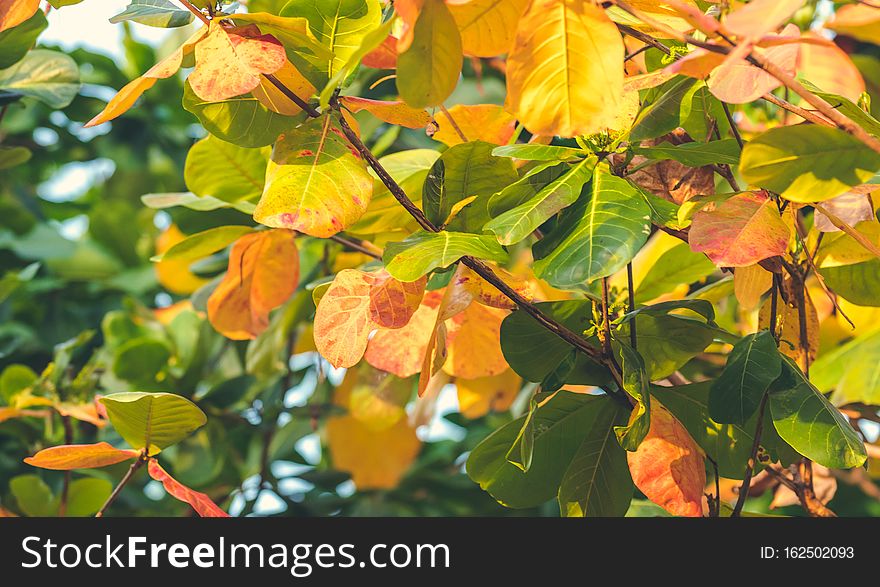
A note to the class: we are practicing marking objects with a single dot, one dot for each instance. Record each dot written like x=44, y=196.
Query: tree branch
x=753, y=456
x=140, y=462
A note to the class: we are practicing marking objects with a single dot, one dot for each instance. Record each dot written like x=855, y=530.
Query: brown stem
x=199, y=14
x=65, y=489
x=631, y=305
x=807, y=496
x=732, y=123
x=606, y=321
x=753, y=456
x=140, y=462
x=774, y=308
x=357, y=245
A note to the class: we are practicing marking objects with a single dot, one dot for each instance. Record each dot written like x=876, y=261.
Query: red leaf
x=384, y=56
x=668, y=467
x=198, y=500
x=80, y=456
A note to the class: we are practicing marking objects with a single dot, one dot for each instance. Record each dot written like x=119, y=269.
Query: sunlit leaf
x=80, y=456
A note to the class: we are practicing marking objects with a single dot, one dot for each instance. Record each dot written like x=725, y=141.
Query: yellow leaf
x=477, y=397
x=474, y=343
x=489, y=295
x=401, y=351
x=274, y=99
x=478, y=122
x=749, y=284
x=15, y=12
x=859, y=21
x=174, y=274
x=263, y=272
x=430, y=57
x=486, y=26
x=559, y=44
x=229, y=61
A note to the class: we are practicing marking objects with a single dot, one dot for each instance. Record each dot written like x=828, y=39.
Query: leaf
x=851, y=370
x=243, y=121
x=742, y=230
x=485, y=293
x=730, y=445
x=80, y=456
x=17, y=41
x=229, y=64
x=396, y=112
x=14, y=380
x=858, y=21
x=677, y=266
x=204, y=243
x=668, y=466
x=753, y=364
x=14, y=156
x=86, y=496
x=339, y=25
x=215, y=168
x=401, y=351
x=597, y=236
x=662, y=114
x=152, y=421
x=637, y=385
x=200, y=502
x=539, y=152
x=393, y=302
x=175, y=276
x=429, y=65
x=263, y=273
x=48, y=76
x=807, y=163
x=15, y=12
x=667, y=343
x=816, y=429
x=157, y=13
x=856, y=283
x=852, y=207
x=422, y=252
x=496, y=393
x=518, y=223
x=464, y=171
x=487, y=26
x=560, y=426
x=534, y=352
x=829, y=67
x=316, y=182
x=475, y=332
x=760, y=17
x=750, y=283
x=34, y=497
x=723, y=152
x=268, y=94
x=597, y=483
x=193, y=202
x=557, y=43
x=479, y=122
x=788, y=326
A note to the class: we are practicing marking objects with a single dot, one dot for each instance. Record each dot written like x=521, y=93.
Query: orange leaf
x=274, y=99
x=15, y=12
x=487, y=27
x=229, y=62
x=201, y=503
x=396, y=112
x=401, y=351
x=476, y=397
x=393, y=302
x=480, y=122
x=263, y=272
x=408, y=11
x=829, y=68
x=84, y=412
x=80, y=456
x=741, y=231
x=474, y=343
x=760, y=17
x=384, y=56
x=668, y=467
x=486, y=293
x=174, y=274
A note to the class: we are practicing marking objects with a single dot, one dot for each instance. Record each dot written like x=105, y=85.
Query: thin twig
x=753, y=456
x=65, y=489
x=631, y=306
x=357, y=245
x=860, y=238
x=140, y=462
x=454, y=124
x=733, y=128
x=199, y=14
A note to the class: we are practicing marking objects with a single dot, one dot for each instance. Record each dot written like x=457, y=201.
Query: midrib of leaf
x=596, y=468
x=241, y=170
x=318, y=151
x=148, y=432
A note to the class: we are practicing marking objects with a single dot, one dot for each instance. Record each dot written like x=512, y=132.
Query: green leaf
x=86, y=496
x=204, y=243
x=14, y=156
x=701, y=113
x=539, y=152
x=534, y=352
x=808, y=422
x=156, y=13
x=662, y=113
x=48, y=76
x=369, y=41
x=193, y=202
x=523, y=448
x=753, y=364
x=700, y=307
x=597, y=483
x=463, y=171
x=339, y=25
x=725, y=151
x=215, y=168
x=852, y=370
x=316, y=182
x=422, y=252
x=153, y=421
x=15, y=379
x=141, y=359
x=663, y=212
x=848, y=108
x=637, y=385
x=561, y=425
x=17, y=41
x=597, y=236
x=679, y=265
x=34, y=497
x=667, y=343
x=533, y=180
x=857, y=283
x=63, y=3
x=427, y=72
x=807, y=163
x=242, y=120
x=729, y=445
x=518, y=223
